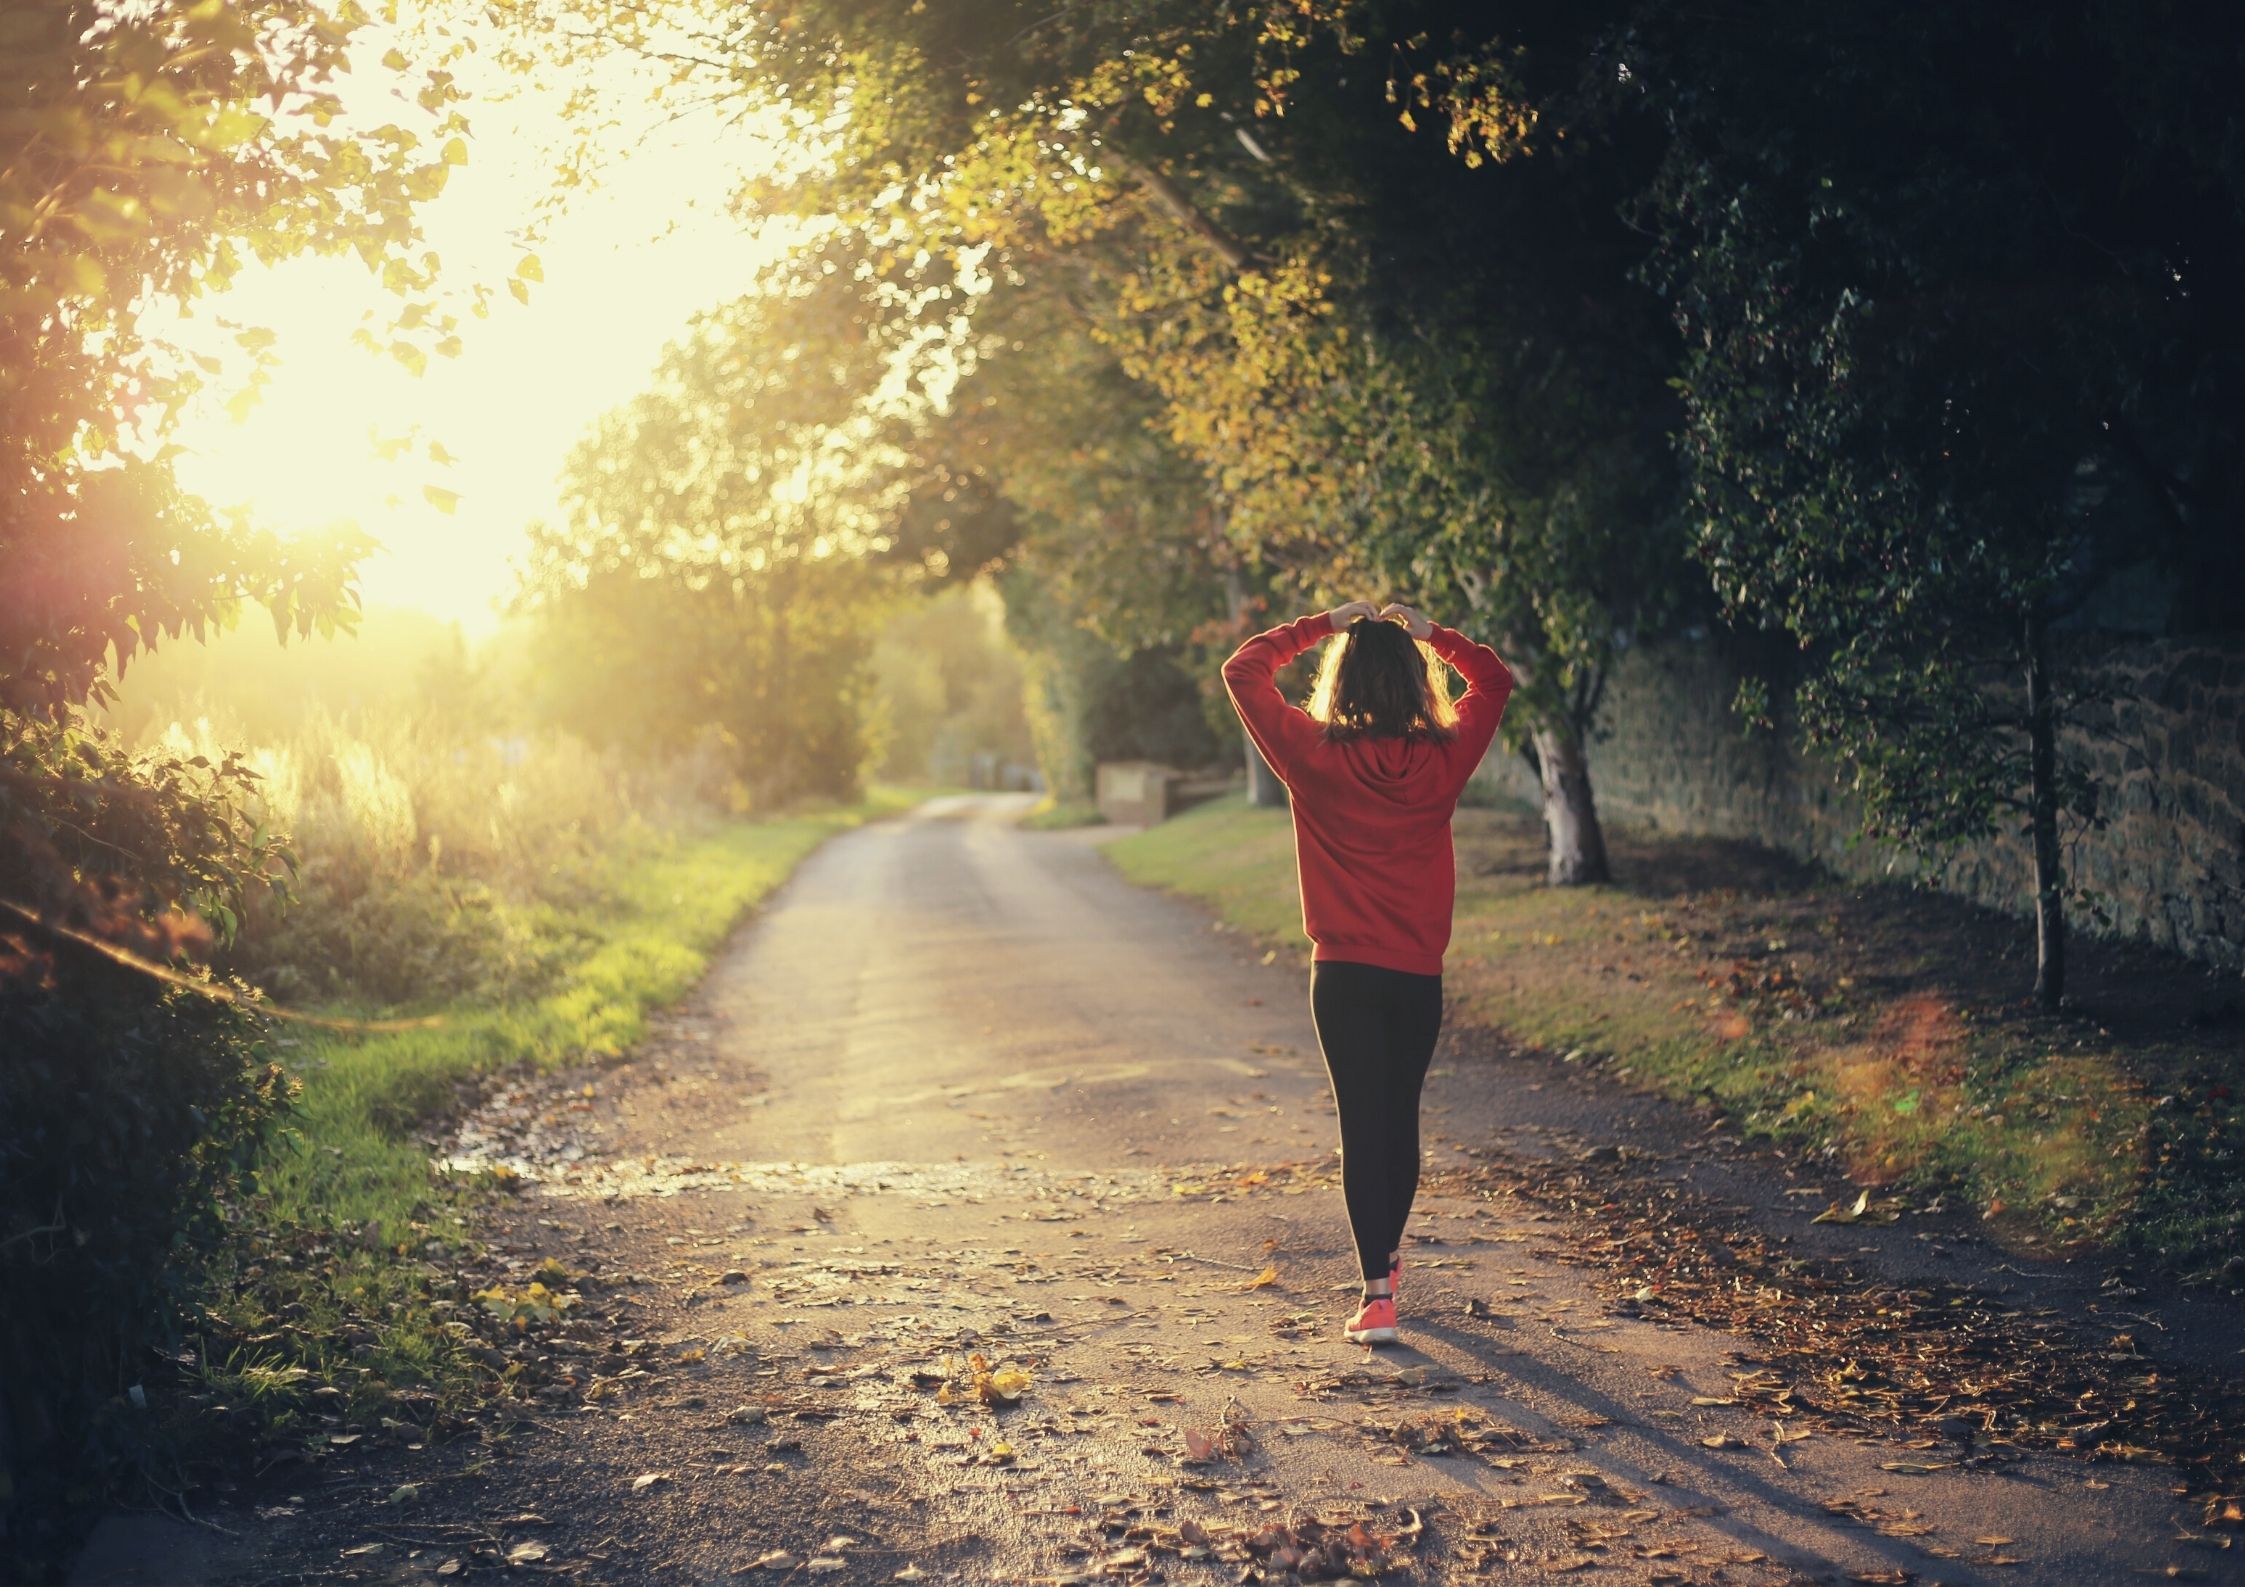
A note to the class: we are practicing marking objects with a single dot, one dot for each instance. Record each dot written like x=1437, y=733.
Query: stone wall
x=2167, y=750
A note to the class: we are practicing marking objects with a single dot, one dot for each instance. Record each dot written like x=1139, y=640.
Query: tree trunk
x=1570, y=814
x=1264, y=790
x=2042, y=819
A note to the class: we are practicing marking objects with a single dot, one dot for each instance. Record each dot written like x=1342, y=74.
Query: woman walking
x=1374, y=766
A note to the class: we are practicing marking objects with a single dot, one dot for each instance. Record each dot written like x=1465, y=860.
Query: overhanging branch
x=1171, y=200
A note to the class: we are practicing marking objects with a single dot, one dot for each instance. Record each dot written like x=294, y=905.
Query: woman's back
x=1372, y=798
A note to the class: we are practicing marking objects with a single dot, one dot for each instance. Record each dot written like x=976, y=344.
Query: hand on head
x=1394, y=612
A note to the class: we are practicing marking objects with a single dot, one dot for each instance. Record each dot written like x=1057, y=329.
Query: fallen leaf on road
x=777, y=1559
x=1836, y=1214
x=1264, y=1279
x=642, y=1483
x=526, y=1553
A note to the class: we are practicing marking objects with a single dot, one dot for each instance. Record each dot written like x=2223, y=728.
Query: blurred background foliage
x=1103, y=336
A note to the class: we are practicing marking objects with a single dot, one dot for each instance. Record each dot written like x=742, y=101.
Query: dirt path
x=961, y=1092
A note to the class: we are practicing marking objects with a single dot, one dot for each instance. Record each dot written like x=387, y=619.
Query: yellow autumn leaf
x=1003, y=1386
x=1835, y=1213
x=1266, y=1278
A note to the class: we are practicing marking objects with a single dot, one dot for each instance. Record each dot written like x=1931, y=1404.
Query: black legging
x=1376, y=1028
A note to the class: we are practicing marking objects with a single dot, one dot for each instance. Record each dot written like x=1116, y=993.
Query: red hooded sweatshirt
x=1371, y=815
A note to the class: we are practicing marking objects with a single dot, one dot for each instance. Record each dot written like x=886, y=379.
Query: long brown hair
x=1376, y=681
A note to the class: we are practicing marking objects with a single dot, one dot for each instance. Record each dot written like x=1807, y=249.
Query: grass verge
x=1052, y=815
x=1884, y=1027
x=335, y=1309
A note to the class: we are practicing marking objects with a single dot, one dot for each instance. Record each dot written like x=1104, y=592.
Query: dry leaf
x=1852, y=1214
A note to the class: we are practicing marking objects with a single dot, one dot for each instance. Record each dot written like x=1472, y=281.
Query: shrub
x=127, y=1103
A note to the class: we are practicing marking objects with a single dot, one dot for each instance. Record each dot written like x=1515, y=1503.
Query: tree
x=1116, y=534
x=148, y=151
x=1943, y=295
x=1390, y=365
x=714, y=570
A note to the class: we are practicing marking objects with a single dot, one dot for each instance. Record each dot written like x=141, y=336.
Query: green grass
x=1052, y=815
x=340, y=1272
x=1881, y=1027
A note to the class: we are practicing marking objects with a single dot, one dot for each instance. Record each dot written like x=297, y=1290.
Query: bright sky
x=625, y=268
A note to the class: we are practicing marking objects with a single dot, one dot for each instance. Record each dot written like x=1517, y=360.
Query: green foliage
x=149, y=154
x=1336, y=319
x=1226, y=322
x=1947, y=372
x=714, y=576
x=126, y=1112
x=1089, y=700
x=948, y=688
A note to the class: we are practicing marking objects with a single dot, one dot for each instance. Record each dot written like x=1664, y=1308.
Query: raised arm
x=1488, y=684
x=1282, y=731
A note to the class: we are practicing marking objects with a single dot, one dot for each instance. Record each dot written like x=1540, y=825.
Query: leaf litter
x=1943, y=1368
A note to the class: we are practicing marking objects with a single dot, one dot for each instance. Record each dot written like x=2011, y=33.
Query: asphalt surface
x=959, y=1090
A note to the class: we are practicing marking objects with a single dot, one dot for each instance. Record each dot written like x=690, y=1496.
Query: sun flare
x=446, y=468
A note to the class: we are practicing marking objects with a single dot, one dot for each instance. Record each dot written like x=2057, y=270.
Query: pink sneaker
x=1374, y=1324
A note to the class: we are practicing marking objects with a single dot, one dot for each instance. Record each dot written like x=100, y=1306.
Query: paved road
x=960, y=1090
